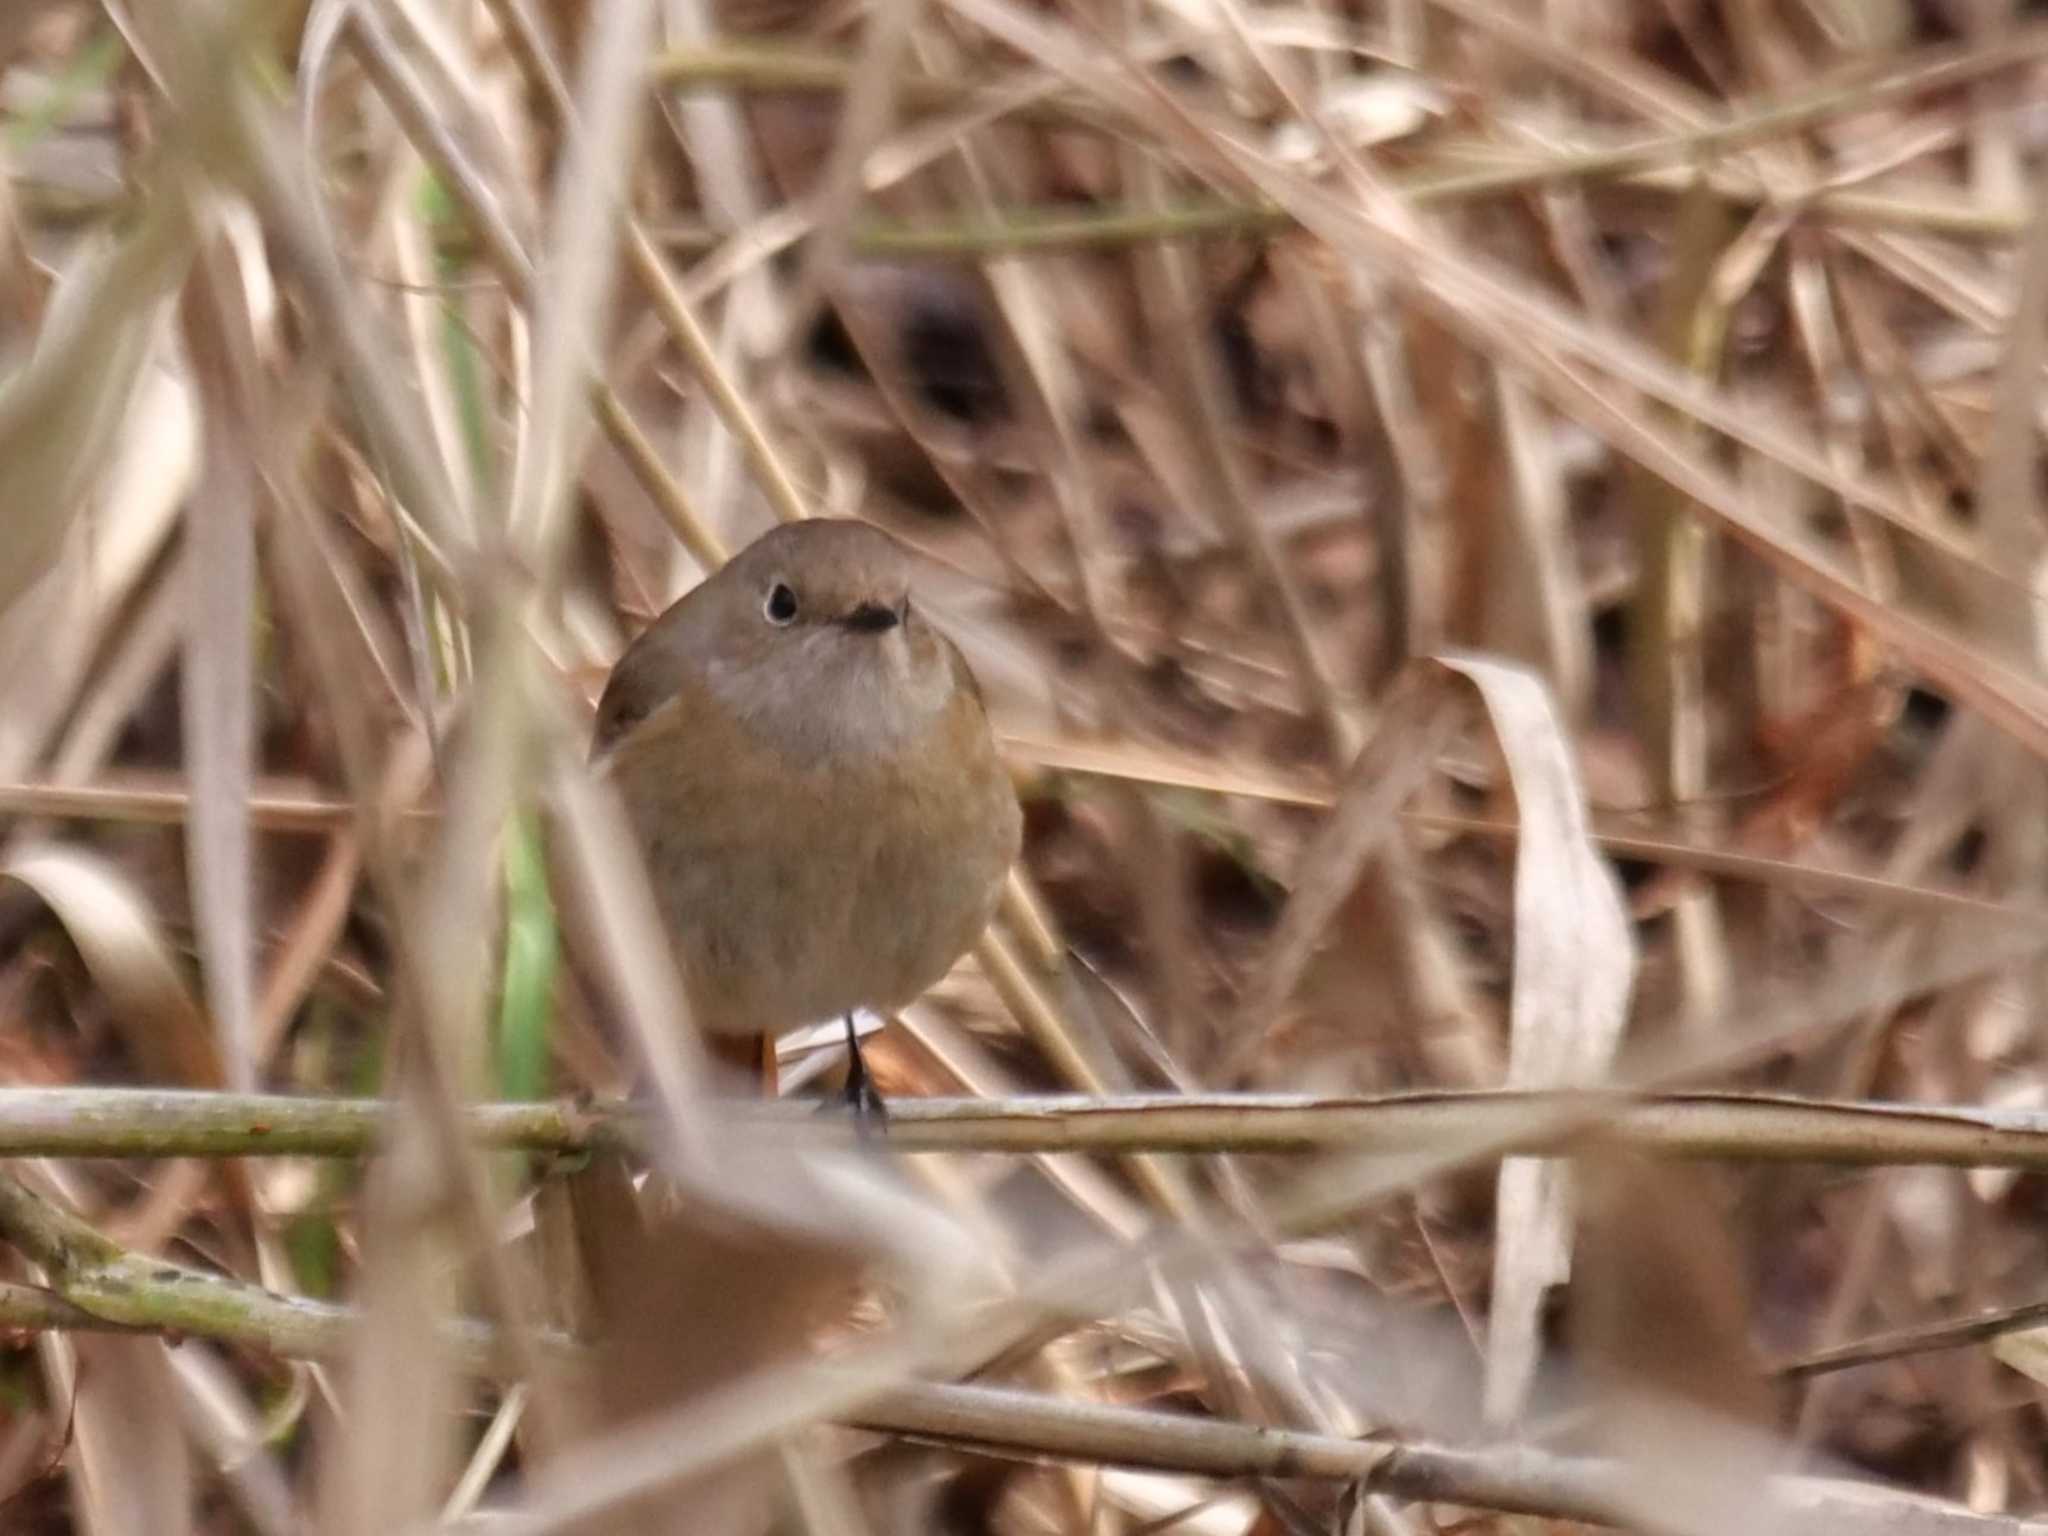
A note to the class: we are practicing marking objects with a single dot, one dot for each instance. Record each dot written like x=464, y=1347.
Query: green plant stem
x=142, y=1122
x=88, y=70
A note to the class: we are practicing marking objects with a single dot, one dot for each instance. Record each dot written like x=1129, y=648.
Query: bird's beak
x=874, y=618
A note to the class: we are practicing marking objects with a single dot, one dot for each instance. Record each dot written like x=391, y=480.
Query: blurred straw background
x=1503, y=543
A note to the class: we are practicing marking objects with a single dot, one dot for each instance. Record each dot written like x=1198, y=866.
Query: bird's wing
x=642, y=682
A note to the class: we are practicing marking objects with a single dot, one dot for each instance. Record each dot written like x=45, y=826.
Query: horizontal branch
x=141, y=1122
x=97, y=1285
x=1015, y=1423
x=1509, y=1478
x=170, y=1122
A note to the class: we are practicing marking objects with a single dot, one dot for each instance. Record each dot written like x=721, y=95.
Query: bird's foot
x=859, y=1096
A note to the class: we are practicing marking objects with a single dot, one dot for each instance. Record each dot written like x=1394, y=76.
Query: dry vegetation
x=1502, y=542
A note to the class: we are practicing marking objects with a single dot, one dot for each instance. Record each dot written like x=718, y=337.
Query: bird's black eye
x=781, y=604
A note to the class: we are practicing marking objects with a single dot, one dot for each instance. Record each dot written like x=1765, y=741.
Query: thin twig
x=145, y=1122
x=1493, y=1477
x=1925, y=1339
x=280, y=806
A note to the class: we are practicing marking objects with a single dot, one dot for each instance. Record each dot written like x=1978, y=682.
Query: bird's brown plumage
x=825, y=820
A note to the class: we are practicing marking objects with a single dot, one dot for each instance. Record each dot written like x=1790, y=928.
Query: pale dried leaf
x=1195, y=1507
x=1574, y=967
x=2025, y=1352
x=60, y=414
x=131, y=961
x=49, y=633
x=1376, y=107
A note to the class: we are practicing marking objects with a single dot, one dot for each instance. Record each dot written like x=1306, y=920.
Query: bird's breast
x=796, y=888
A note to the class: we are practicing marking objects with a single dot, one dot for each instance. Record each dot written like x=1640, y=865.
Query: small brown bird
x=810, y=772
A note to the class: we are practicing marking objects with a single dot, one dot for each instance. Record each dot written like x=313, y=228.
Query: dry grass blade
x=609, y=879
x=1622, y=836
x=1217, y=361
x=1501, y=314
x=257, y=148
x=49, y=636
x=2007, y=495
x=870, y=107
x=1197, y=387
x=968, y=1067
x=575, y=276
x=132, y=1467
x=392, y=1468
x=734, y=409
x=1574, y=966
x=1414, y=723
x=1667, y=646
x=1544, y=619
x=447, y=970
x=60, y=413
x=1076, y=1057
x=124, y=947
x=219, y=672
x=228, y=1433
x=676, y=1444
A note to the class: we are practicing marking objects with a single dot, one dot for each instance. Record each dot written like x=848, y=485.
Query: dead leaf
x=124, y=948
x=1574, y=967
x=61, y=413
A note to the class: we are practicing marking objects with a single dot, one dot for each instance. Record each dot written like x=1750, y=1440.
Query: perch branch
x=143, y=1122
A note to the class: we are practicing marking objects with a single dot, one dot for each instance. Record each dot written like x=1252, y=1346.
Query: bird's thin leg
x=861, y=1095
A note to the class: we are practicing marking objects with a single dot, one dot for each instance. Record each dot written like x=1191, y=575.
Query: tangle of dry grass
x=1502, y=545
